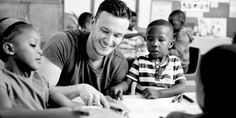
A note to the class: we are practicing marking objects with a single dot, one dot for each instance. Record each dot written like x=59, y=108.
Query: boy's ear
x=93, y=20
x=172, y=43
x=9, y=48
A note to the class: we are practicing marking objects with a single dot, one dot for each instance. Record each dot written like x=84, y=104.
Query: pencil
x=188, y=99
x=176, y=98
x=116, y=109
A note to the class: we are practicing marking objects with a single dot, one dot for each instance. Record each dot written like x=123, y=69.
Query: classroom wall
x=222, y=11
x=46, y=15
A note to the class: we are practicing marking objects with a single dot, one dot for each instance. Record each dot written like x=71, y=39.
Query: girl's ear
x=172, y=43
x=9, y=48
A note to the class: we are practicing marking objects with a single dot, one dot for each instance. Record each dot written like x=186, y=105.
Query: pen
x=116, y=109
x=180, y=98
x=188, y=98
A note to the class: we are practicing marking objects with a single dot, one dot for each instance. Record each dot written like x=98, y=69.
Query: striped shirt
x=149, y=73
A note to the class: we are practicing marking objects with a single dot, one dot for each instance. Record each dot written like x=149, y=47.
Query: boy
x=182, y=38
x=157, y=70
x=24, y=93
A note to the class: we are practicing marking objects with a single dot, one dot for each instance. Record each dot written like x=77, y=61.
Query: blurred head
x=109, y=26
x=214, y=86
x=85, y=21
x=159, y=38
x=177, y=19
x=133, y=20
x=19, y=43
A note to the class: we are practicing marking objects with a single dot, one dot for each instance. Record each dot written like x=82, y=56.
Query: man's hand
x=91, y=96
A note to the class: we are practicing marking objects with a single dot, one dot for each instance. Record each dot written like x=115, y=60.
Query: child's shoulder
x=174, y=58
x=143, y=57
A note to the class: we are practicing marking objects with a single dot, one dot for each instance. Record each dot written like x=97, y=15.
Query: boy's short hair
x=161, y=22
x=115, y=7
x=84, y=18
x=10, y=28
x=180, y=15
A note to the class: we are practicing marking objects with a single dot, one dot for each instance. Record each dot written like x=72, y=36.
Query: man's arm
x=50, y=71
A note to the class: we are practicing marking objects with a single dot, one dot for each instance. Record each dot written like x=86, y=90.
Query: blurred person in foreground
x=214, y=91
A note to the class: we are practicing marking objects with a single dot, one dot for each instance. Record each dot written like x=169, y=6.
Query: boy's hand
x=150, y=93
x=116, y=92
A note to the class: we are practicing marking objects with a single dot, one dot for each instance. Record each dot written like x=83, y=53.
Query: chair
x=192, y=73
x=195, y=56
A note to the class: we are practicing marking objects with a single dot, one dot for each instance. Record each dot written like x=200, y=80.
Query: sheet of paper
x=141, y=107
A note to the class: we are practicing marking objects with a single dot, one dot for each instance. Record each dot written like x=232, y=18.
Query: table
x=140, y=107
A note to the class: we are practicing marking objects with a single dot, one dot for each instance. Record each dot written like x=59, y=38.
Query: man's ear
x=172, y=43
x=8, y=48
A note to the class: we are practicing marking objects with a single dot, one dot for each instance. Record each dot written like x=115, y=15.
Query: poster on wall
x=212, y=26
x=160, y=10
x=195, y=5
x=232, y=9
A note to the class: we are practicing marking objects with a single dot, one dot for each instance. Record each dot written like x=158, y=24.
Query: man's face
x=107, y=32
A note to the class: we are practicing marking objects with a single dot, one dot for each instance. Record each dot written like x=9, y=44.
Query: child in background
x=214, y=87
x=182, y=38
x=23, y=91
x=158, y=74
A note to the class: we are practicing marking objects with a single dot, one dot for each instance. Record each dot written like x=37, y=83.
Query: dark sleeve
x=57, y=49
x=121, y=71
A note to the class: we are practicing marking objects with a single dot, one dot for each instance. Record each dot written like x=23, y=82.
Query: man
x=84, y=21
x=81, y=60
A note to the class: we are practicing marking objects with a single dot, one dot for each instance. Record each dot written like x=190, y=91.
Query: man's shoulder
x=66, y=37
x=117, y=54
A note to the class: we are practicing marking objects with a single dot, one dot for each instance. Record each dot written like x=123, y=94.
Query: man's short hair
x=115, y=7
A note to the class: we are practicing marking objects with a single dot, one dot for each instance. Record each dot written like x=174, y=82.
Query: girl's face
x=159, y=40
x=27, y=50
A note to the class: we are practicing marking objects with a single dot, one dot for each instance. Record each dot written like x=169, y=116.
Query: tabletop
x=136, y=106
x=139, y=107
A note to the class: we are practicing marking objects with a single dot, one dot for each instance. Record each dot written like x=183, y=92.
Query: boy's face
x=177, y=25
x=159, y=40
x=27, y=49
x=107, y=33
